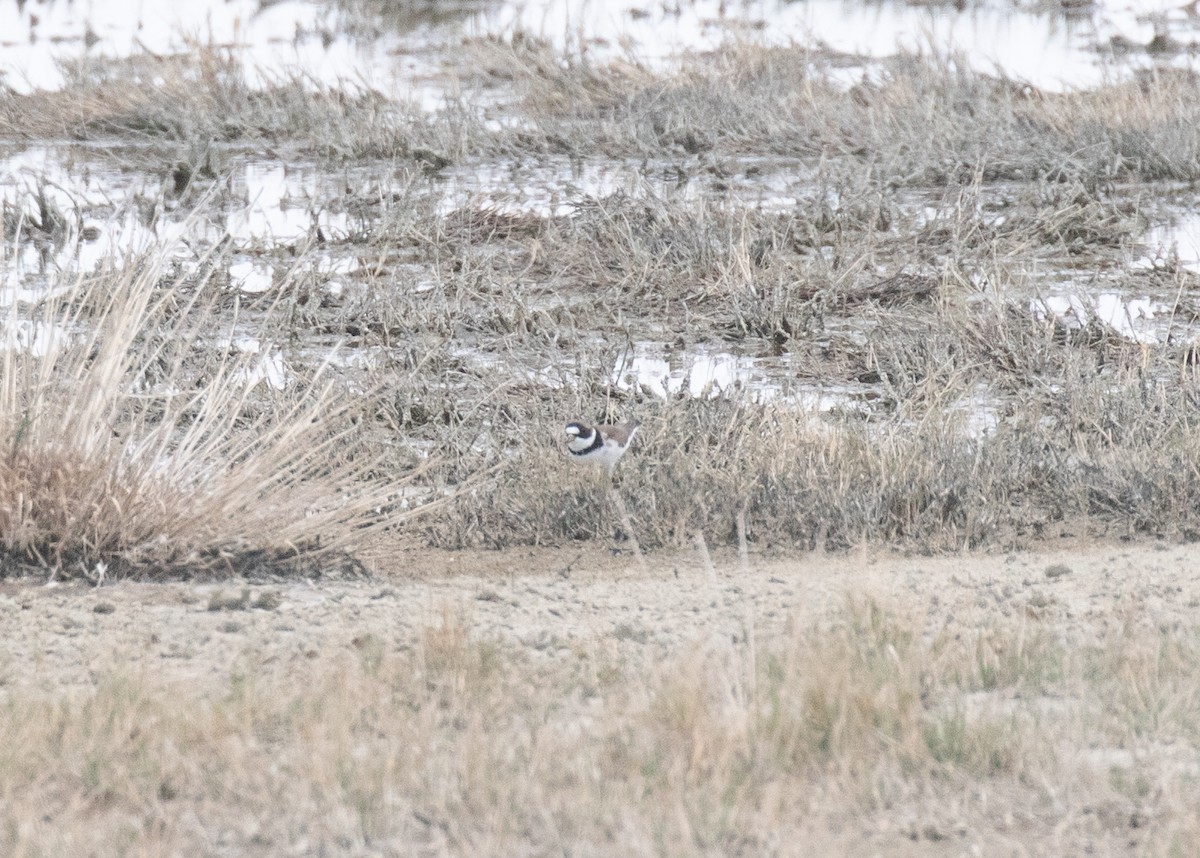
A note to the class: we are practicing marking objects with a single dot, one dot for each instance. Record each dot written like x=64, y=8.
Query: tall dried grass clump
x=135, y=440
x=205, y=96
x=914, y=121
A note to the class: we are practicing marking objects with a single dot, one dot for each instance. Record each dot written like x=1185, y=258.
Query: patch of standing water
x=61, y=215
x=271, y=369
x=548, y=188
x=258, y=363
x=398, y=51
x=556, y=185
x=1179, y=238
x=701, y=372
x=38, y=339
x=281, y=205
x=251, y=276
x=69, y=211
x=704, y=373
x=1141, y=320
x=1042, y=46
x=273, y=39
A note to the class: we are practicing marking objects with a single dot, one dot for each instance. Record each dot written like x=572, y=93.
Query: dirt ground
x=550, y=601
x=552, y=605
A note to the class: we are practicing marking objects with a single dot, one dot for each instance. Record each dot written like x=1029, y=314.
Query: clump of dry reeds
x=203, y=97
x=918, y=121
x=135, y=439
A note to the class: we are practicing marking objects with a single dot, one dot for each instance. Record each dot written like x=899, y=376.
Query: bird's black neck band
x=597, y=443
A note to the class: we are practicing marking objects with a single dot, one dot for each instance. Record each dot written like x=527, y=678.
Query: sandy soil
x=551, y=601
x=554, y=604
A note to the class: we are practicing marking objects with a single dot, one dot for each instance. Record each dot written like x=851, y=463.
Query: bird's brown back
x=621, y=434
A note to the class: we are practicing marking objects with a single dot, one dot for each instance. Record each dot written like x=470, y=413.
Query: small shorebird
x=602, y=445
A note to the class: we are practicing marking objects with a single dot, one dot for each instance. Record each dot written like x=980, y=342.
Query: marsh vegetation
x=965, y=338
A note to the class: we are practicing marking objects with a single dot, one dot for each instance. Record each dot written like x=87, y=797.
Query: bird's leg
x=628, y=525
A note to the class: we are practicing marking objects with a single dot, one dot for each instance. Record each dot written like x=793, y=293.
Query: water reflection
x=1135, y=319
x=555, y=186
x=706, y=373
x=1177, y=239
x=280, y=205
x=69, y=211
x=38, y=339
x=323, y=42
x=400, y=49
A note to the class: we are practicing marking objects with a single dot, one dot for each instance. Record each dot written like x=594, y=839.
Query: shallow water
x=704, y=372
x=553, y=186
x=274, y=39
x=1176, y=239
x=1135, y=319
x=112, y=214
x=400, y=53
x=108, y=215
x=38, y=339
x=1048, y=49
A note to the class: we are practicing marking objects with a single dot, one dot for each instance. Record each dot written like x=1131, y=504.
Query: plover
x=602, y=445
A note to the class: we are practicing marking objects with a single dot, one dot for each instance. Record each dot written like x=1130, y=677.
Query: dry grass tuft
x=917, y=122
x=203, y=98
x=134, y=442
